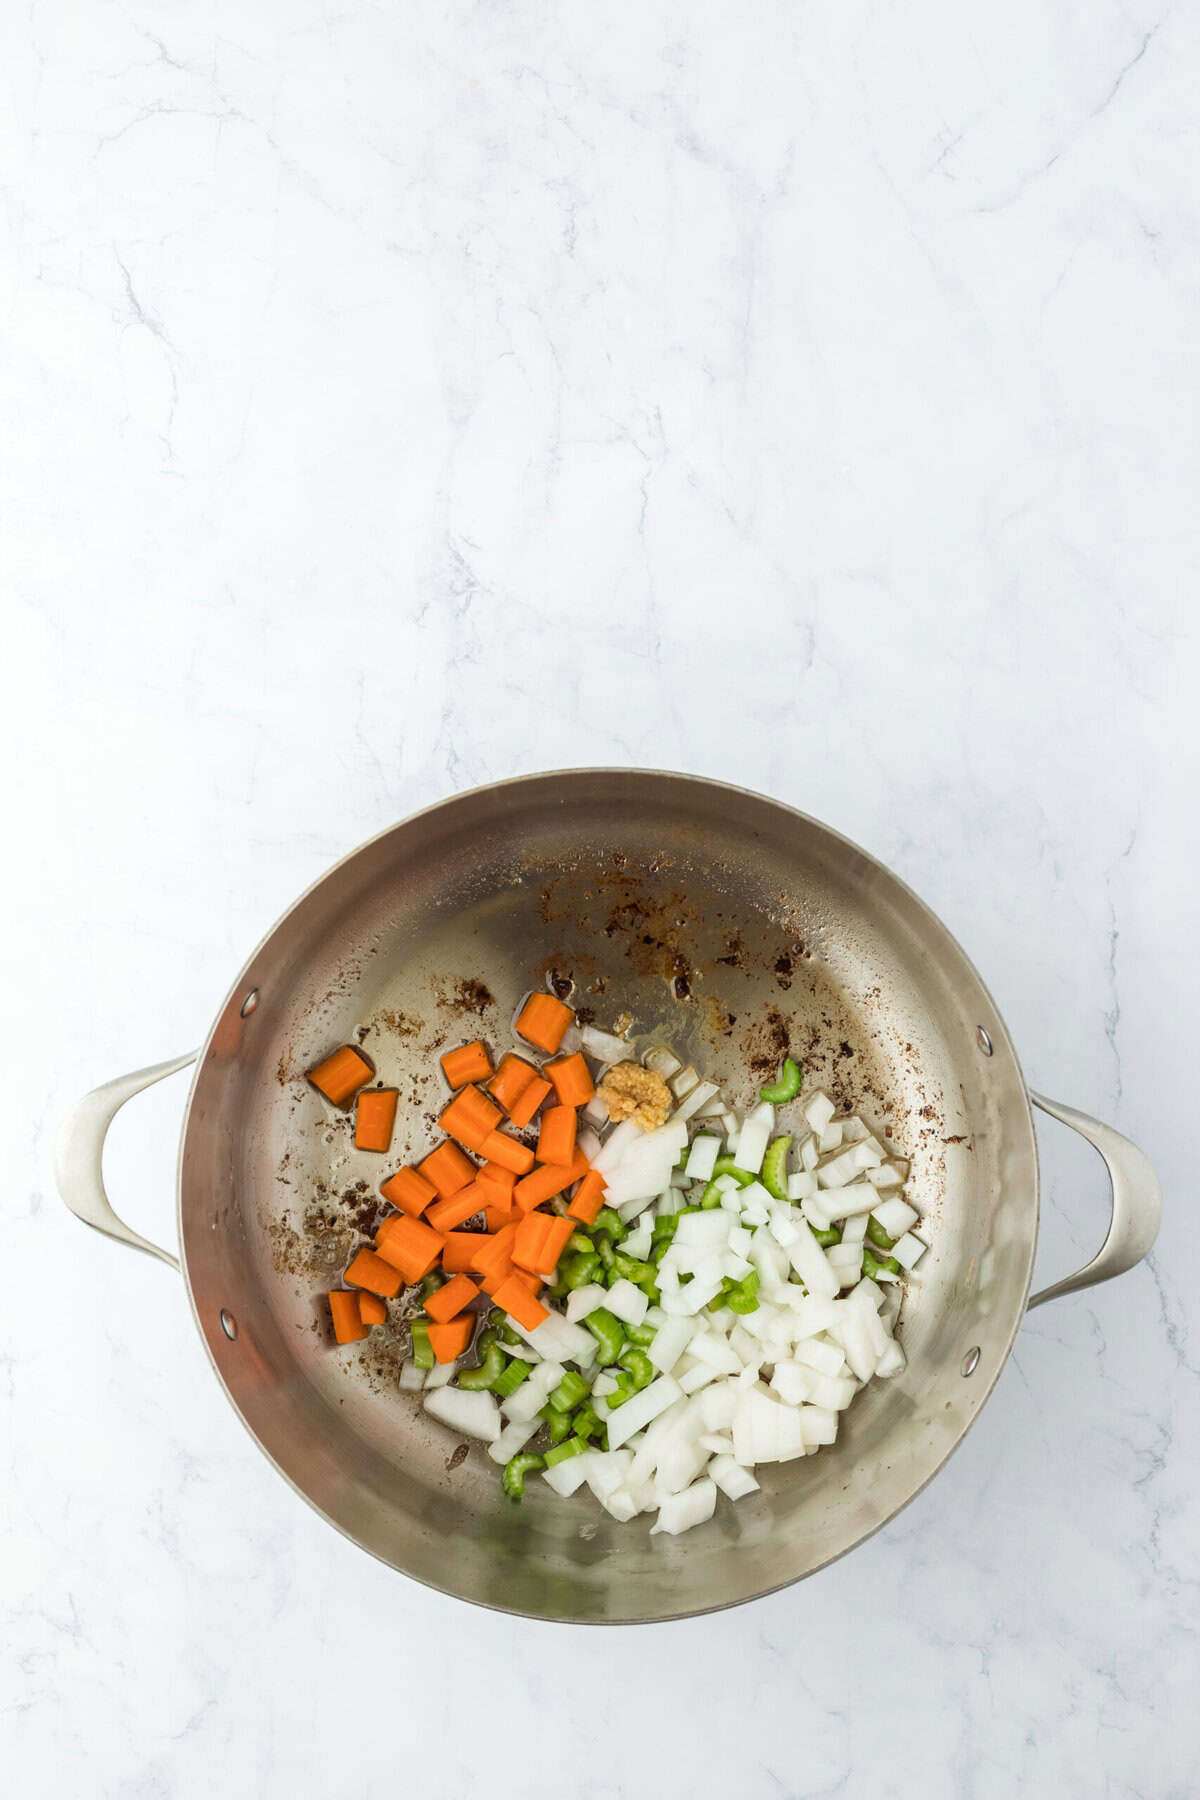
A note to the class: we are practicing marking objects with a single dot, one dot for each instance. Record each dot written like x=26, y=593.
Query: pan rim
x=1002, y=1043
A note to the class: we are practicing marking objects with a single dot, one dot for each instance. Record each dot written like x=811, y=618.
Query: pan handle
x=1136, y=1202
x=79, y=1153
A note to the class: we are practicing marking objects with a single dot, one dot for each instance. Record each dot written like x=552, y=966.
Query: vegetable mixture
x=660, y=1296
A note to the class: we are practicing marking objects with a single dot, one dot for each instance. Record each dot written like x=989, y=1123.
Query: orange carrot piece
x=557, y=1239
x=522, y=1112
x=543, y=1021
x=510, y=1080
x=458, y=1250
x=452, y=1299
x=506, y=1151
x=444, y=1215
x=469, y=1063
x=589, y=1198
x=408, y=1191
x=448, y=1169
x=579, y=1165
x=496, y=1275
x=374, y=1118
x=371, y=1309
x=494, y=1247
x=512, y=1296
x=495, y=1218
x=341, y=1075
x=469, y=1117
x=372, y=1271
x=528, y=1280
x=409, y=1245
x=348, y=1326
x=572, y=1079
x=450, y=1339
x=493, y=1176
x=556, y=1135
x=547, y=1180
x=529, y=1243
x=545, y=1239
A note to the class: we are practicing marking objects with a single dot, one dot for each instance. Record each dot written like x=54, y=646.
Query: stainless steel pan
x=729, y=926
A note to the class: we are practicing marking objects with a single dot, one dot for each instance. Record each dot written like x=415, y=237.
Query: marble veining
x=397, y=398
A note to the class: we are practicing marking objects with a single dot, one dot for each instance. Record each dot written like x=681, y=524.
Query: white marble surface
x=401, y=396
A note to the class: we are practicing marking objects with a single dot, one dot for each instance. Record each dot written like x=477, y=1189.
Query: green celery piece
x=516, y=1469
x=786, y=1087
x=574, y=1446
x=774, y=1169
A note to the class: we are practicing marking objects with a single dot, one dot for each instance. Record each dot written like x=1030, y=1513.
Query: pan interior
x=729, y=928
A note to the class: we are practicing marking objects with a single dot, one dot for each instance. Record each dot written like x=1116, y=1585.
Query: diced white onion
x=895, y=1216
x=701, y=1158
x=584, y=1300
x=818, y=1109
x=808, y=1260
x=603, y=1045
x=733, y=1481
x=680, y=1512
x=640, y=1409
x=474, y=1414
x=568, y=1476
x=682, y=1084
x=909, y=1250
x=514, y=1437
x=637, y=1243
x=627, y=1302
x=662, y=1061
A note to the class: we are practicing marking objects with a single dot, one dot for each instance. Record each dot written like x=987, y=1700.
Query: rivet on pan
x=249, y=1003
x=229, y=1323
x=985, y=1042
x=970, y=1361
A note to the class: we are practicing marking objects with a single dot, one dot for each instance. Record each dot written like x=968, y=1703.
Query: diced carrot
x=543, y=1021
x=496, y=1275
x=448, y=1169
x=494, y=1248
x=469, y=1063
x=371, y=1309
x=545, y=1239
x=369, y=1270
x=579, y=1165
x=409, y=1245
x=533, y=1282
x=506, y=1151
x=458, y=1250
x=455, y=1297
x=391, y=1228
x=444, y=1215
x=557, y=1239
x=450, y=1339
x=512, y=1296
x=547, y=1180
x=522, y=1112
x=492, y=1175
x=374, y=1118
x=409, y=1191
x=572, y=1079
x=341, y=1075
x=469, y=1117
x=510, y=1080
x=530, y=1240
x=556, y=1135
x=348, y=1325
x=495, y=1218
x=589, y=1198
